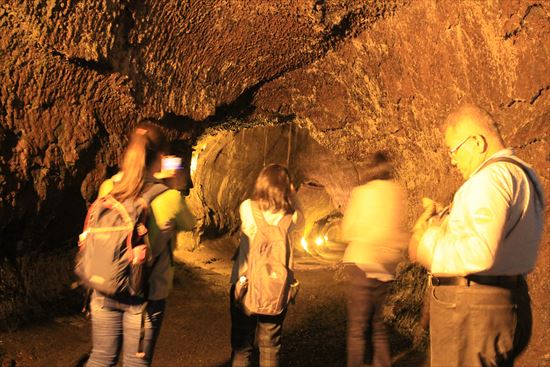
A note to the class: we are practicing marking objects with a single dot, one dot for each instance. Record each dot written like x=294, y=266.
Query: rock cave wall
x=230, y=161
x=359, y=76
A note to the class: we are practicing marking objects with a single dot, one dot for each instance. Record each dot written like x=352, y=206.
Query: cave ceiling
x=359, y=76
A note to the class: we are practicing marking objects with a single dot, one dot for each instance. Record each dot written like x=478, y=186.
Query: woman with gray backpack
x=262, y=280
x=125, y=252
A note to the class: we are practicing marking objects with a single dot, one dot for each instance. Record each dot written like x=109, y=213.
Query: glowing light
x=326, y=238
x=303, y=242
x=319, y=241
x=193, y=165
x=195, y=158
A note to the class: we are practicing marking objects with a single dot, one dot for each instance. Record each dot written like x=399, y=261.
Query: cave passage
x=225, y=165
x=312, y=84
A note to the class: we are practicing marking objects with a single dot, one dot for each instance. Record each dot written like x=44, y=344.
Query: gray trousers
x=366, y=329
x=478, y=325
x=249, y=331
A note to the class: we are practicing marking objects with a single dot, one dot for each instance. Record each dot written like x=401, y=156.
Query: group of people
x=131, y=323
x=477, y=251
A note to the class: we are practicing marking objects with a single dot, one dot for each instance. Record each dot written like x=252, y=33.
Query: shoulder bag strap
x=285, y=222
x=527, y=174
x=257, y=214
x=152, y=190
x=524, y=169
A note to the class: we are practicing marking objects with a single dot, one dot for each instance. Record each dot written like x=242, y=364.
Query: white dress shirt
x=494, y=226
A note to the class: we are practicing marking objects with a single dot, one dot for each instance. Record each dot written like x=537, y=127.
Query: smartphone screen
x=171, y=163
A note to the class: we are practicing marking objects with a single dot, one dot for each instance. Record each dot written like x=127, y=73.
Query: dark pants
x=478, y=325
x=365, y=303
x=247, y=330
x=119, y=325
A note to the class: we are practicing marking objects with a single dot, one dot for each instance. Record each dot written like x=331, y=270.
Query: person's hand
x=430, y=209
x=165, y=174
x=426, y=219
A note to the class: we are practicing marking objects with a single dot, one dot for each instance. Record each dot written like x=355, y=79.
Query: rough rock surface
x=390, y=86
x=359, y=76
x=230, y=161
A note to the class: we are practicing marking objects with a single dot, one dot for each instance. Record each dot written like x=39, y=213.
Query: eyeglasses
x=457, y=147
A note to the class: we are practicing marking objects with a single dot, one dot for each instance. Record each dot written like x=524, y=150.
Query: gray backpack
x=269, y=270
x=114, y=246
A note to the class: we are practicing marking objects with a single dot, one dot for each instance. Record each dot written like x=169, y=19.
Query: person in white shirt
x=374, y=228
x=479, y=253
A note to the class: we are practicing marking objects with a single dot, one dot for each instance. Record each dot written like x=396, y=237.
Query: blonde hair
x=147, y=142
x=272, y=189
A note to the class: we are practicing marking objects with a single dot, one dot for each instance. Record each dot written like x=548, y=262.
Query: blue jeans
x=365, y=304
x=118, y=323
x=245, y=330
x=478, y=325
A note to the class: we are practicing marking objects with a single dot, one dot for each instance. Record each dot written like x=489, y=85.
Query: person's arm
x=185, y=220
x=241, y=255
x=469, y=241
x=421, y=225
x=349, y=217
x=298, y=221
x=243, y=249
x=248, y=225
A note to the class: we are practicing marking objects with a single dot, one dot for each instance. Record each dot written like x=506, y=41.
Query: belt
x=502, y=281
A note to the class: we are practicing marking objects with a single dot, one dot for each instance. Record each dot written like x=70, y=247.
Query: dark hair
x=378, y=167
x=272, y=189
x=182, y=149
x=147, y=142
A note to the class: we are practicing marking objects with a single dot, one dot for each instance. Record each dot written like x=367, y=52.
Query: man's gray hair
x=476, y=115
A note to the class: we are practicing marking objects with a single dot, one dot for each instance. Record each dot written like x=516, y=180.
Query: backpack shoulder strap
x=152, y=191
x=257, y=214
x=523, y=168
x=538, y=193
x=285, y=222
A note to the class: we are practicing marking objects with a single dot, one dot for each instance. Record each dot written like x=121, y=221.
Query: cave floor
x=196, y=327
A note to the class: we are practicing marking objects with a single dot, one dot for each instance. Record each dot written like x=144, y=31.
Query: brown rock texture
x=391, y=85
x=349, y=76
x=230, y=161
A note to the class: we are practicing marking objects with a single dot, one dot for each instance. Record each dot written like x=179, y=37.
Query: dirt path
x=196, y=328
